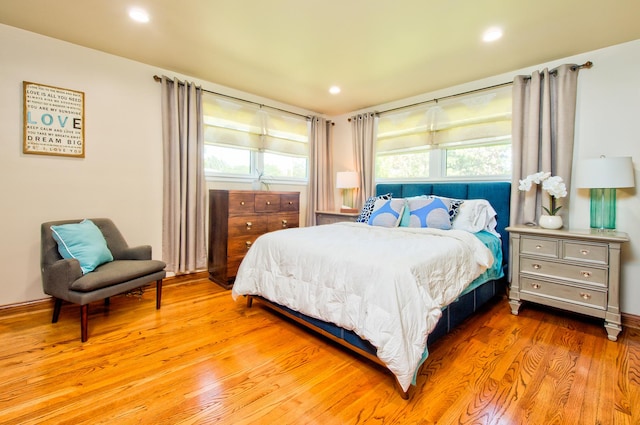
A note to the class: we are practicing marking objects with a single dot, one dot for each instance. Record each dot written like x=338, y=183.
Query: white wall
x=608, y=112
x=121, y=174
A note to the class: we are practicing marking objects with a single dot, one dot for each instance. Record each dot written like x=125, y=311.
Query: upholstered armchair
x=76, y=279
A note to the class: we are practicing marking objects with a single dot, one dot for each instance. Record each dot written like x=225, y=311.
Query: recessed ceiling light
x=492, y=34
x=138, y=15
x=334, y=90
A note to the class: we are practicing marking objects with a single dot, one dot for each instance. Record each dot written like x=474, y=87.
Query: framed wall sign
x=53, y=121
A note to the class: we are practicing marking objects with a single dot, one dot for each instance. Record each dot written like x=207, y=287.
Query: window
x=246, y=141
x=467, y=136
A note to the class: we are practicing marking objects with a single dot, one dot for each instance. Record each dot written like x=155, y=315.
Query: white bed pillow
x=476, y=215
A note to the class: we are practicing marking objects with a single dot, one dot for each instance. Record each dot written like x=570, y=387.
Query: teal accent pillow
x=84, y=242
x=428, y=212
x=387, y=213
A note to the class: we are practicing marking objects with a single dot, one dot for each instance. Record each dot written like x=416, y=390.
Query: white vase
x=550, y=221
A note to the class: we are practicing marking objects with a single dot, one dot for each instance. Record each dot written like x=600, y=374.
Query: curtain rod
x=587, y=65
x=445, y=97
x=159, y=79
x=554, y=71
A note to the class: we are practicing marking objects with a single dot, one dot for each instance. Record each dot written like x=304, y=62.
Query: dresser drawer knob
x=584, y=251
x=538, y=246
x=241, y=202
x=585, y=296
x=585, y=273
x=249, y=224
x=284, y=223
x=248, y=244
x=535, y=285
x=536, y=266
x=290, y=202
x=268, y=202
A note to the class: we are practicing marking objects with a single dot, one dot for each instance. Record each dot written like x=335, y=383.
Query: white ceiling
x=291, y=51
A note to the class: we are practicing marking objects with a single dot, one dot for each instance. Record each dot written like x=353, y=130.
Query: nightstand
x=328, y=217
x=574, y=270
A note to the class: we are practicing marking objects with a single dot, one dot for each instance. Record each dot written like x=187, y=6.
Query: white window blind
x=245, y=125
x=474, y=119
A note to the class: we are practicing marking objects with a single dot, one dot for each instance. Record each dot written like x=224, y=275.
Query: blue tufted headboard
x=497, y=193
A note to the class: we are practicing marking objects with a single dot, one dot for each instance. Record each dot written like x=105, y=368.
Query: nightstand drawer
x=566, y=293
x=539, y=246
x=582, y=274
x=593, y=253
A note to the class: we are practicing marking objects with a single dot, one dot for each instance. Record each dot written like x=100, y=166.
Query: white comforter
x=387, y=285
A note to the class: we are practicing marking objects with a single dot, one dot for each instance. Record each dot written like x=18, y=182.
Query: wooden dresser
x=575, y=270
x=237, y=218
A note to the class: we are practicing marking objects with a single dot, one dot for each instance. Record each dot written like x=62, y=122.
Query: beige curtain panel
x=184, y=186
x=364, y=130
x=320, y=193
x=543, y=121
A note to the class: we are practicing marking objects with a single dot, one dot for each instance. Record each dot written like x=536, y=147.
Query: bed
x=358, y=284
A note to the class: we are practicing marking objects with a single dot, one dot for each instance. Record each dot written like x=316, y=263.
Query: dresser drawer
x=239, y=245
x=267, y=202
x=247, y=225
x=241, y=203
x=233, y=264
x=575, y=273
x=539, y=246
x=593, y=253
x=567, y=293
x=290, y=203
x=283, y=221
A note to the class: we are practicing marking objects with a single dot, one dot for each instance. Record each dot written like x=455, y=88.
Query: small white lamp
x=347, y=181
x=603, y=175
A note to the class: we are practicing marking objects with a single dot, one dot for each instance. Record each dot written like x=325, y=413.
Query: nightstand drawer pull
x=585, y=296
x=538, y=246
x=585, y=273
x=584, y=251
x=535, y=285
x=290, y=202
x=268, y=202
x=284, y=223
x=249, y=224
x=248, y=244
x=241, y=202
x=536, y=266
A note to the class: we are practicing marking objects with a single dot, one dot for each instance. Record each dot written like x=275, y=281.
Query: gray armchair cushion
x=116, y=272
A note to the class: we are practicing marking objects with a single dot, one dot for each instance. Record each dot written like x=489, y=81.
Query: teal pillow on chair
x=84, y=242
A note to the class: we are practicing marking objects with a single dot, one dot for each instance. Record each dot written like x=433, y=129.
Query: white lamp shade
x=347, y=180
x=605, y=173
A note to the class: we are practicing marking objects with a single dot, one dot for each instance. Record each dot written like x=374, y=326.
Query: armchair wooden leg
x=84, y=319
x=56, y=310
x=158, y=293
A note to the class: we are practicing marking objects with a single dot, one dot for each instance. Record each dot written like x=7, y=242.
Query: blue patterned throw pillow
x=387, y=213
x=367, y=208
x=428, y=212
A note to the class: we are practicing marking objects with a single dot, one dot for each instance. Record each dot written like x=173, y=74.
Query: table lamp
x=603, y=175
x=347, y=182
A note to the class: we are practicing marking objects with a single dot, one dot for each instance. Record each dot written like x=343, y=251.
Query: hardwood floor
x=204, y=358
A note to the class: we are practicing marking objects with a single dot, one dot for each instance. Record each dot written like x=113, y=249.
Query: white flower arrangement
x=554, y=185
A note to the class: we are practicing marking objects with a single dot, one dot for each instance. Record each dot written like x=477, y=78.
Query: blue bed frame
x=498, y=194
